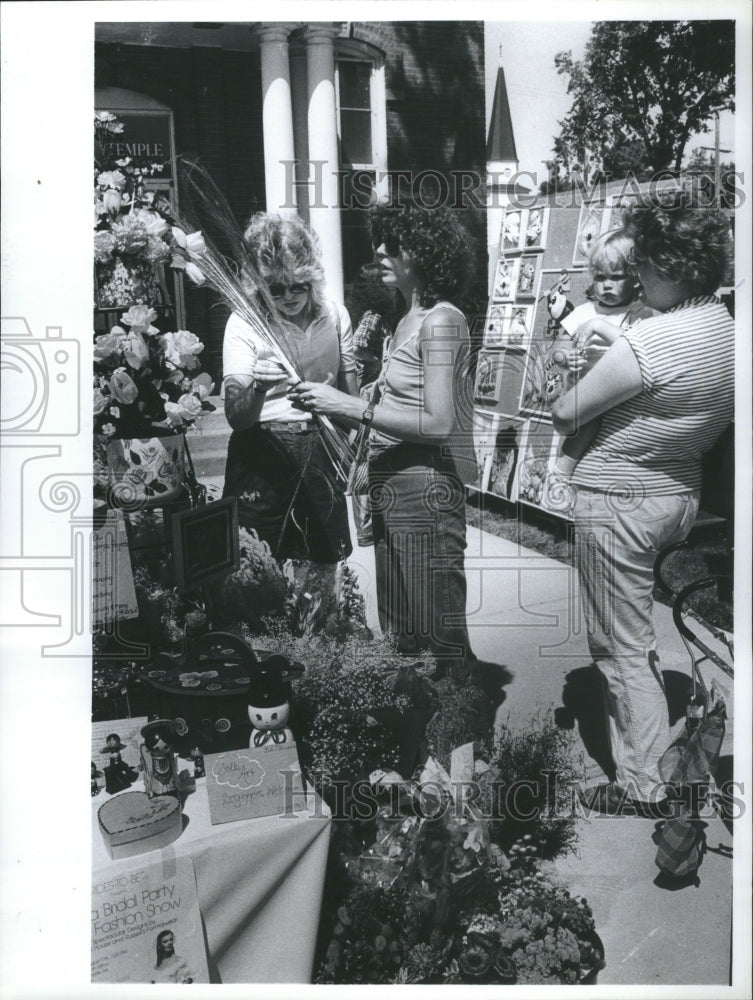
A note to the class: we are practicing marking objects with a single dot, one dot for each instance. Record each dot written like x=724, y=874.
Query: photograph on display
x=536, y=223
x=489, y=378
x=527, y=277
x=504, y=460
x=512, y=231
x=506, y=279
x=494, y=328
x=537, y=449
x=592, y=223
x=508, y=326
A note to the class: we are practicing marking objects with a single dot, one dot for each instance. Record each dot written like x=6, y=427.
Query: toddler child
x=591, y=329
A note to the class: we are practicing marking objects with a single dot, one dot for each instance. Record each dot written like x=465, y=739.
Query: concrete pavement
x=524, y=612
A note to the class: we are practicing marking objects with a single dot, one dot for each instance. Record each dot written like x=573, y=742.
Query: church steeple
x=500, y=147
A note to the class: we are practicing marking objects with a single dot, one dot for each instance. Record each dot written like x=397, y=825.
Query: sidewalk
x=524, y=611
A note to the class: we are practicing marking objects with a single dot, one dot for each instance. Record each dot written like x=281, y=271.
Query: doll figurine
x=158, y=759
x=118, y=774
x=269, y=705
x=95, y=774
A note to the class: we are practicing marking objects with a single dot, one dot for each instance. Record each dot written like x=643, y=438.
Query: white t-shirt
x=323, y=351
x=619, y=315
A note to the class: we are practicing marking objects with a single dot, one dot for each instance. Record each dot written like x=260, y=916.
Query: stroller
x=690, y=764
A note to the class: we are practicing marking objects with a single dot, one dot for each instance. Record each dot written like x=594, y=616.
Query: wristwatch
x=367, y=416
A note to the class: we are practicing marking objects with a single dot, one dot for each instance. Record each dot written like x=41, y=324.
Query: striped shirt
x=654, y=442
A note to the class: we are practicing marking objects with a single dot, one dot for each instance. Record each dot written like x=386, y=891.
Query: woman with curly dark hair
x=418, y=434
x=665, y=392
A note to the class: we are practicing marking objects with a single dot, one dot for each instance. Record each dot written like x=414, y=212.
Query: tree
x=641, y=91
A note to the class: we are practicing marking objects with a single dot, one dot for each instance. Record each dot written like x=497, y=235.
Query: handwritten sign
x=246, y=784
x=113, y=592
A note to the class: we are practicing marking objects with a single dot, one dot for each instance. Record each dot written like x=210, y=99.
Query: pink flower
x=173, y=415
x=194, y=273
x=195, y=244
x=154, y=224
x=99, y=402
x=140, y=318
x=189, y=406
x=112, y=179
x=136, y=352
x=123, y=387
x=203, y=386
x=107, y=344
x=112, y=201
x=108, y=429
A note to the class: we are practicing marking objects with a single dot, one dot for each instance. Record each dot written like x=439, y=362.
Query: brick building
x=306, y=118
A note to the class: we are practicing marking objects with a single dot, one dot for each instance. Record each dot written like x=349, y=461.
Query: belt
x=289, y=427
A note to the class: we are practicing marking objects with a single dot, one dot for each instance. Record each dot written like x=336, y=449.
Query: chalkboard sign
x=205, y=543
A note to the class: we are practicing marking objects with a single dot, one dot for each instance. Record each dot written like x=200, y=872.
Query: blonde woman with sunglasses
x=276, y=464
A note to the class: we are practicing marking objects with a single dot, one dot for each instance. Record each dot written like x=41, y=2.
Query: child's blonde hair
x=611, y=249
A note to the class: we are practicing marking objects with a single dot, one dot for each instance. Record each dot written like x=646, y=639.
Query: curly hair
x=438, y=243
x=683, y=243
x=287, y=252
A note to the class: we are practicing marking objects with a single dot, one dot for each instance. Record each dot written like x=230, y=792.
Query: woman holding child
x=661, y=394
x=417, y=429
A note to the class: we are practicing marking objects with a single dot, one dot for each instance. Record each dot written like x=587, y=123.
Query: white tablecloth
x=259, y=883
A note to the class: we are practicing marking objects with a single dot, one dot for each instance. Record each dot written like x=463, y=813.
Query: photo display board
x=541, y=273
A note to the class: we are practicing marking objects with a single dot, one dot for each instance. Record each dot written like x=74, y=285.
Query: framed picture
x=503, y=463
x=527, y=277
x=484, y=436
x=205, y=543
x=489, y=378
x=536, y=225
x=508, y=327
x=538, y=447
x=494, y=331
x=511, y=238
x=592, y=222
x=505, y=279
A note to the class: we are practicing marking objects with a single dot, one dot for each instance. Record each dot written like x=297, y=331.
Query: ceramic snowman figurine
x=269, y=705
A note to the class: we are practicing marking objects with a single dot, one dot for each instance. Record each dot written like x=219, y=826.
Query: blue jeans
x=617, y=540
x=418, y=517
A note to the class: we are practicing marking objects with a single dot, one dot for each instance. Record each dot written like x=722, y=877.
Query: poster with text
x=146, y=925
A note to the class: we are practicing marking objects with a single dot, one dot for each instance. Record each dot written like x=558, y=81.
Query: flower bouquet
x=146, y=390
x=130, y=239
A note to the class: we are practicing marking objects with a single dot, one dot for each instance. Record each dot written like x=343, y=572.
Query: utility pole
x=717, y=161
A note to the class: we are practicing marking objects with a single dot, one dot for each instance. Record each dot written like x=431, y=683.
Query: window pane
x=355, y=85
x=355, y=128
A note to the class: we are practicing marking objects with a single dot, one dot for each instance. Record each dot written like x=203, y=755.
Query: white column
x=299, y=89
x=277, y=119
x=324, y=205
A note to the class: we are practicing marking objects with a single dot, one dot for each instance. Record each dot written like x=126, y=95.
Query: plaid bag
x=681, y=843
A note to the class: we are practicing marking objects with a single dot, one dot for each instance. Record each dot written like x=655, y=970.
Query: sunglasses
x=279, y=291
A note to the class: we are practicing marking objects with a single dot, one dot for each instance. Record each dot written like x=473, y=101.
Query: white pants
x=617, y=540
